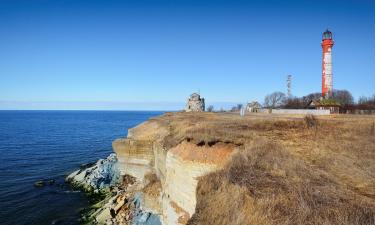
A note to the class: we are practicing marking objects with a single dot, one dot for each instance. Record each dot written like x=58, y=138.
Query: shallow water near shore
x=37, y=145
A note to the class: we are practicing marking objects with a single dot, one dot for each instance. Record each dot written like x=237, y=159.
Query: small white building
x=253, y=107
x=195, y=103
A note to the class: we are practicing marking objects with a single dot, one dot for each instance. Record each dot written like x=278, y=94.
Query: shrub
x=311, y=121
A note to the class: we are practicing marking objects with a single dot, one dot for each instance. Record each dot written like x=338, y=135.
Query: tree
x=366, y=102
x=210, y=108
x=294, y=103
x=313, y=96
x=274, y=100
x=344, y=97
x=301, y=102
x=236, y=108
x=363, y=100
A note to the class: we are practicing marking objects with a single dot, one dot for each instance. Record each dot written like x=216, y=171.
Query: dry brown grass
x=153, y=186
x=209, y=128
x=317, y=170
x=266, y=185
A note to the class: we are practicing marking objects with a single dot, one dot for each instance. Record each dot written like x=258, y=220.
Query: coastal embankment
x=220, y=168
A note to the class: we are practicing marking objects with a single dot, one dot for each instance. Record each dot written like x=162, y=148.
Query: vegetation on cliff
x=288, y=170
x=266, y=185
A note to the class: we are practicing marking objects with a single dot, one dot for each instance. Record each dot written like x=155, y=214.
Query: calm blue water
x=49, y=145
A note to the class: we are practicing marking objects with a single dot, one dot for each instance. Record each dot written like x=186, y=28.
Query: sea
x=48, y=145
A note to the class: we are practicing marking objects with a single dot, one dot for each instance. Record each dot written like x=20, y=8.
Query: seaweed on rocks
x=100, y=175
x=97, y=180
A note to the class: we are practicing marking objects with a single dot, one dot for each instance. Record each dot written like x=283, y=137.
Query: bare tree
x=274, y=100
x=343, y=97
x=294, y=103
x=366, y=102
x=210, y=108
x=363, y=100
x=236, y=108
x=308, y=98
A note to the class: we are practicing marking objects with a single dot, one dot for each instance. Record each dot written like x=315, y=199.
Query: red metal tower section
x=327, y=43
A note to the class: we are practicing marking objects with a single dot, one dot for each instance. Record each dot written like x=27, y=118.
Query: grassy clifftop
x=288, y=170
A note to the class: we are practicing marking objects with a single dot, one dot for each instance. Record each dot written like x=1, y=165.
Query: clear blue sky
x=153, y=54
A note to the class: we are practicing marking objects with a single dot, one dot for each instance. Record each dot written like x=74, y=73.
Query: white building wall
x=302, y=111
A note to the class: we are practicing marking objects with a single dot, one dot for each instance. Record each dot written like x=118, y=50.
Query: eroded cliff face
x=177, y=169
x=263, y=164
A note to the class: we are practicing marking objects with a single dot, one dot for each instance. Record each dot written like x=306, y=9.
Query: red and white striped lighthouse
x=327, y=43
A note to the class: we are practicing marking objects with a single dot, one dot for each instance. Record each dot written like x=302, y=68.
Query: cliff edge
x=220, y=168
x=151, y=149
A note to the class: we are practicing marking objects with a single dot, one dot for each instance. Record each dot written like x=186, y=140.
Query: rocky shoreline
x=116, y=199
x=153, y=176
x=210, y=169
x=152, y=179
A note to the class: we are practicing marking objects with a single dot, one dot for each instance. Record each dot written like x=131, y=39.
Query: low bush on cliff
x=266, y=185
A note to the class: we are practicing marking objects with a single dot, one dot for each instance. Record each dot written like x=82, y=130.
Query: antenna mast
x=289, y=85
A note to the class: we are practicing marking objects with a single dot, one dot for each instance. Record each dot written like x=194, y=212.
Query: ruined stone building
x=195, y=103
x=253, y=107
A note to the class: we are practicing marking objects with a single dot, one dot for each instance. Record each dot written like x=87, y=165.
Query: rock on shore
x=96, y=176
x=119, y=201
